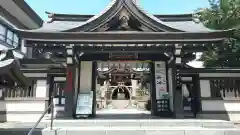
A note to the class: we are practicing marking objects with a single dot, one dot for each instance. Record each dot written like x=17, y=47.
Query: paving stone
x=30, y=125
x=125, y=132
x=204, y=132
x=86, y=131
x=165, y=132
x=18, y=132
x=124, y=123
x=232, y=132
x=55, y=131
x=178, y=124
x=75, y=124
x=156, y=123
x=218, y=124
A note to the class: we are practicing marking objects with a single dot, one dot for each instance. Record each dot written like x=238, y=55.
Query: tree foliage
x=221, y=15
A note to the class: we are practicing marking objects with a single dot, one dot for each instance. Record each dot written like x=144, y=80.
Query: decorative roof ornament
x=124, y=23
x=50, y=16
x=136, y=1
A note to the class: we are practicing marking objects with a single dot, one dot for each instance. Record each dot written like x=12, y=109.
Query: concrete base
x=125, y=131
x=139, y=131
x=126, y=127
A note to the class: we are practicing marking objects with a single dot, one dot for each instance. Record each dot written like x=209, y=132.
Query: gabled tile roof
x=57, y=26
x=71, y=22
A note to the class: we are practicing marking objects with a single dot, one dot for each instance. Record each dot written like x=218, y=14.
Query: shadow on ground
x=19, y=131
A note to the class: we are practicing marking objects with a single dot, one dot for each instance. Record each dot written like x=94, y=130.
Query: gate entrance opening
x=122, y=82
x=123, y=85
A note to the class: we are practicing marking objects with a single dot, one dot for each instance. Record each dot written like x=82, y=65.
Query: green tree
x=221, y=15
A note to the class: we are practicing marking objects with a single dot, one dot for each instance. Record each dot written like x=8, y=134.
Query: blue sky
x=96, y=6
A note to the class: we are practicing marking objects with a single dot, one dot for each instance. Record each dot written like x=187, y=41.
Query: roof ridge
x=81, y=17
x=53, y=14
x=67, y=17
x=57, y=16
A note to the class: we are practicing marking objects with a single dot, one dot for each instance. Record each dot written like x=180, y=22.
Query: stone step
x=146, y=123
x=125, y=131
x=126, y=123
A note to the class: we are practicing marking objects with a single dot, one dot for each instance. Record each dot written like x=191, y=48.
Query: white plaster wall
x=220, y=105
x=41, y=89
x=232, y=108
x=16, y=109
x=205, y=88
x=59, y=78
x=219, y=74
x=234, y=117
x=23, y=117
x=86, y=77
x=35, y=74
x=22, y=106
x=187, y=78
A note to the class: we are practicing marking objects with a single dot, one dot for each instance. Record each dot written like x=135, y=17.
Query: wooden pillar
x=77, y=88
x=153, y=90
x=178, y=102
x=70, y=77
x=171, y=82
x=197, y=92
x=50, y=81
x=93, y=88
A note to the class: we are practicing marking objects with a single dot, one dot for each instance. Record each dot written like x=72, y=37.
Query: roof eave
x=29, y=11
x=126, y=37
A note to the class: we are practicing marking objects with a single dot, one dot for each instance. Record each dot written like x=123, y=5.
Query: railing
x=18, y=92
x=225, y=87
x=50, y=107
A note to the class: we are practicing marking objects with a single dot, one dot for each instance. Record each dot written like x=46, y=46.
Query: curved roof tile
x=112, y=10
x=57, y=26
x=149, y=15
x=188, y=26
x=159, y=21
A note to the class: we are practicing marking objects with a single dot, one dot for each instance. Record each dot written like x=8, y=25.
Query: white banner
x=160, y=79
